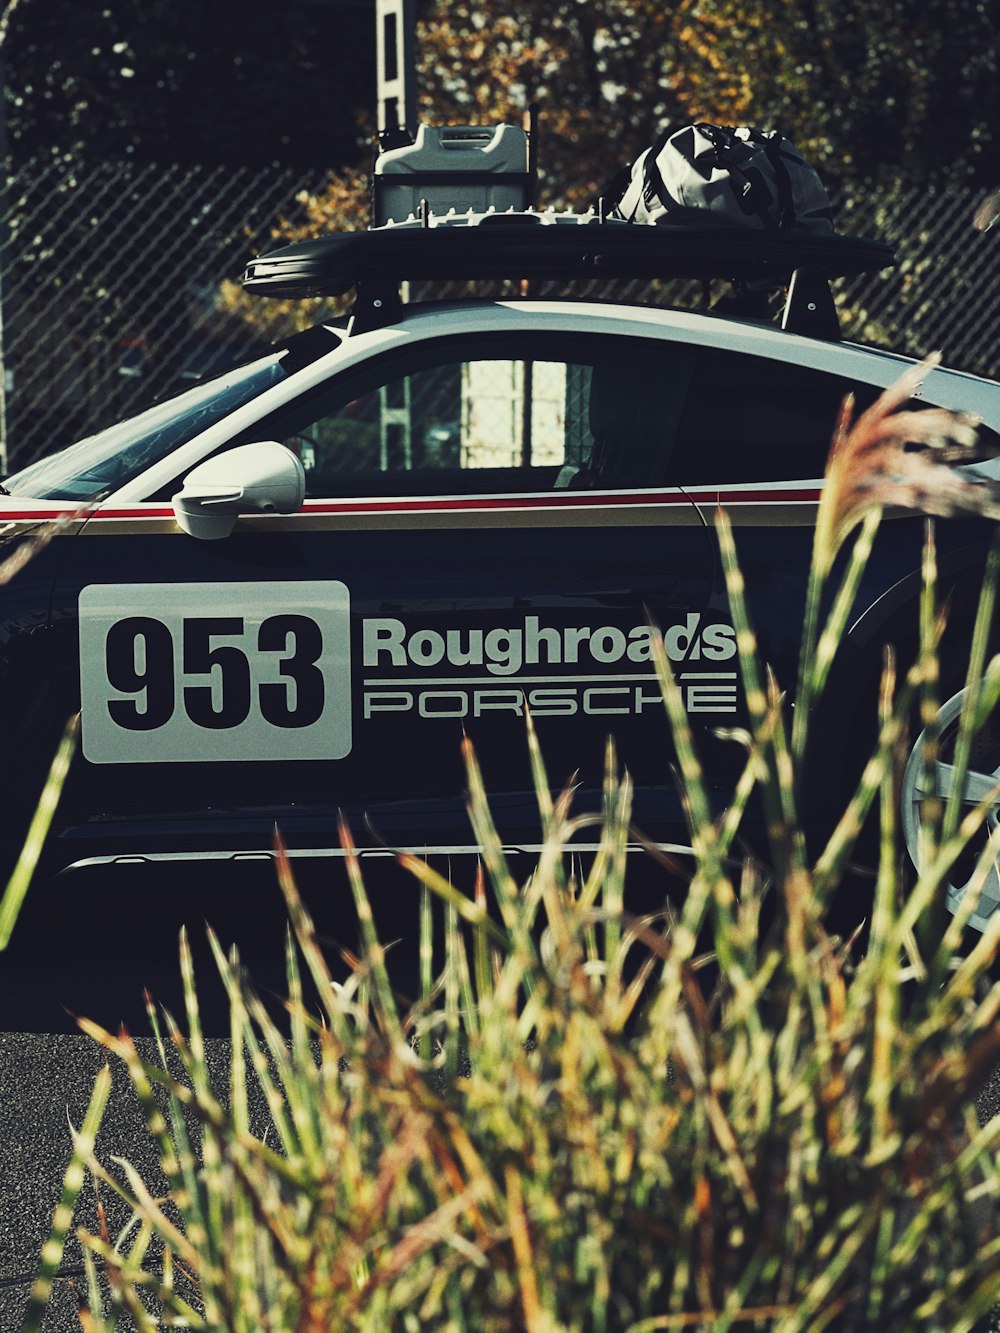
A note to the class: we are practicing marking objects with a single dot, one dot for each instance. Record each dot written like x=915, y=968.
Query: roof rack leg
x=376, y=302
x=809, y=306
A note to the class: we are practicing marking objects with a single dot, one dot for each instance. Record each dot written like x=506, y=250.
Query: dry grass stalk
x=890, y=458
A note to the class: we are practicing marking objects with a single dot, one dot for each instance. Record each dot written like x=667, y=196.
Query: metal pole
x=396, y=59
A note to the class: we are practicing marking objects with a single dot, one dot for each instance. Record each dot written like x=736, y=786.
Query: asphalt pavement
x=68, y=957
x=45, y=1084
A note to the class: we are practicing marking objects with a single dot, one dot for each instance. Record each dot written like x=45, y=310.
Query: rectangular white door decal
x=210, y=672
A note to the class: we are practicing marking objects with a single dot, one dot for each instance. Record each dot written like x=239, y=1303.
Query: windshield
x=103, y=462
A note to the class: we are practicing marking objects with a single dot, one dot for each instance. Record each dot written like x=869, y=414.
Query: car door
x=486, y=530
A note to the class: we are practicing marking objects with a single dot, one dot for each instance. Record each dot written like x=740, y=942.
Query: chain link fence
x=118, y=285
x=110, y=287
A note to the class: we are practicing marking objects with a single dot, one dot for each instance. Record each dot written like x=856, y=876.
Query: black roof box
x=552, y=245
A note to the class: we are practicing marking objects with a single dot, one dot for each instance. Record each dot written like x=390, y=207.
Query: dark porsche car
x=292, y=589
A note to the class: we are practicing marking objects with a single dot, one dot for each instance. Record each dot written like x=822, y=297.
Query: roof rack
x=563, y=246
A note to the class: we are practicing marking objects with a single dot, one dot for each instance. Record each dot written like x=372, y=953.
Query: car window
x=749, y=418
x=491, y=415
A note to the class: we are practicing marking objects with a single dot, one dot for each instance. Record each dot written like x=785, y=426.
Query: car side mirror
x=262, y=478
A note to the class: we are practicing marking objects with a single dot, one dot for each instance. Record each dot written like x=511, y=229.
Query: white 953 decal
x=209, y=672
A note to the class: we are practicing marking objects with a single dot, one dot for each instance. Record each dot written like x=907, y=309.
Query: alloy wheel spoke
x=989, y=894
x=977, y=786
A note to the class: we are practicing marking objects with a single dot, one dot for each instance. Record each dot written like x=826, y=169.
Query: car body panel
x=451, y=631
x=335, y=659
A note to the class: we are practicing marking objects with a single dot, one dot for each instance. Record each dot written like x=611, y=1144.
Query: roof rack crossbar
x=563, y=247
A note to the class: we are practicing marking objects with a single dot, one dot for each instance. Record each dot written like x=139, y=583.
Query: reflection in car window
x=103, y=462
x=468, y=415
x=485, y=415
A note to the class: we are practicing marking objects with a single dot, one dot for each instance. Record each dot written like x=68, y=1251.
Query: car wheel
x=981, y=780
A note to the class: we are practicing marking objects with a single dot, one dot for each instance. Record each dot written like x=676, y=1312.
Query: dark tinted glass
x=491, y=414
x=748, y=418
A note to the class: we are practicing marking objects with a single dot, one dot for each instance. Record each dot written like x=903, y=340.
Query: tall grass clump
x=715, y=1116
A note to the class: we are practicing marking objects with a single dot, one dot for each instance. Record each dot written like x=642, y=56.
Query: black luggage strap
x=786, y=209
x=652, y=180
